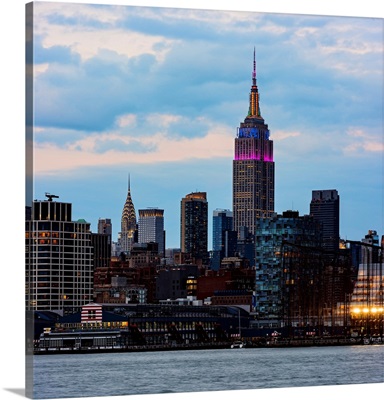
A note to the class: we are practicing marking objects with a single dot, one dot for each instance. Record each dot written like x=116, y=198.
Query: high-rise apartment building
x=253, y=167
x=59, y=258
x=194, y=225
x=151, y=227
x=128, y=234
x=325, y=208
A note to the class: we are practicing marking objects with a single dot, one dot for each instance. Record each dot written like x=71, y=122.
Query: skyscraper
x=277, y=278
x=194, y=225
x=253, y=167
x=222, y=221
x=372, y=252
x=104, y=226
x=223, y=243
x=128, y=223
x=59, y=258
x=325, y=208
x=151, y=227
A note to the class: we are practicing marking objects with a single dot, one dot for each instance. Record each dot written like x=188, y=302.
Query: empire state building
x=253, y=167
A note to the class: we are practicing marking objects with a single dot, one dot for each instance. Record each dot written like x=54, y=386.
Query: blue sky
x=158, y=93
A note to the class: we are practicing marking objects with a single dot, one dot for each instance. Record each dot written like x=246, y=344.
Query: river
x=103, y=374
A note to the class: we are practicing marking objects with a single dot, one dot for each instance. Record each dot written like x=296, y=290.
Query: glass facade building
x=271, y=235
x=223, y=244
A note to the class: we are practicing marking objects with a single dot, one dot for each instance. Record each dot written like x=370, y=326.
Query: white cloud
x=40, y=69
x=90, y=42
x=362, y=142
x=281, y=135
x=344, y=43
x=86, y=40
x=220, y=20
x=51, y=158
x=85, y=12
x=126, y=120
x=356, y=132
x=163, y=120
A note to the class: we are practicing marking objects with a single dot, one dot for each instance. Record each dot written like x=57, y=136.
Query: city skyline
x=166, y=112
x=13, y=83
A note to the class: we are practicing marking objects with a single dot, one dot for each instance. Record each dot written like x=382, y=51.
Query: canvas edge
x=29, y=320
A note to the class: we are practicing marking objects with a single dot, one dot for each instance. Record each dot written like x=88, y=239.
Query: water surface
x=78, y=375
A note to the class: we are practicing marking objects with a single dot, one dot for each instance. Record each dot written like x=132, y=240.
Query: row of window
x=54, y=279
x=56, y=226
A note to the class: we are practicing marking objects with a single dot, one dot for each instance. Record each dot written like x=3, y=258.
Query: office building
x=102, y=243
x=223, y=240
x=104, y=226
x=245, y=245
x=174, y=282
x=102, y=250
x=128, y=234
x=253, y=167
x=367, y=301
x=151, y=228
x=325, y=208
x=371, y=250
x=59, y=258
x=277, y=285
x=194, y=226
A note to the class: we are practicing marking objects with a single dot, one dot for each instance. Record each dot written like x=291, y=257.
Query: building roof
x=107, y=316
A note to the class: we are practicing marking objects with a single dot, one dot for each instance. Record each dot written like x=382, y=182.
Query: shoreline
x=281, y=343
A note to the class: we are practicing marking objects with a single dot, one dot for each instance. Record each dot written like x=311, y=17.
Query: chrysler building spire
x=128, y=222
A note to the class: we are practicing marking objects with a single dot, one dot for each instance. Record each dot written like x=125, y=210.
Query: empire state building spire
x=254, y=108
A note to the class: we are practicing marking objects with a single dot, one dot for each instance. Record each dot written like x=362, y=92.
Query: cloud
x=40, y=69
x=164, y=120
x=282, y=135
x=89, y=29
x=126, y=120
x=90, y=42
x=363, y=142
x=120, y=147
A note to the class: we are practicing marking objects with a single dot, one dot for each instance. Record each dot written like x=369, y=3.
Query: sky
x=157, y=94
x=357, y=177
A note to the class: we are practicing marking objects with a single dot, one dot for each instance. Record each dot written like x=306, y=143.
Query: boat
x=237, y=344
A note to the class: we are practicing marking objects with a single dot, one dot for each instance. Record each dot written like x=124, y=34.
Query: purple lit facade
x=253, y=167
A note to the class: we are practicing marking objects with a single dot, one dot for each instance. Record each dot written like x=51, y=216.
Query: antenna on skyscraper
x=51, y=196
